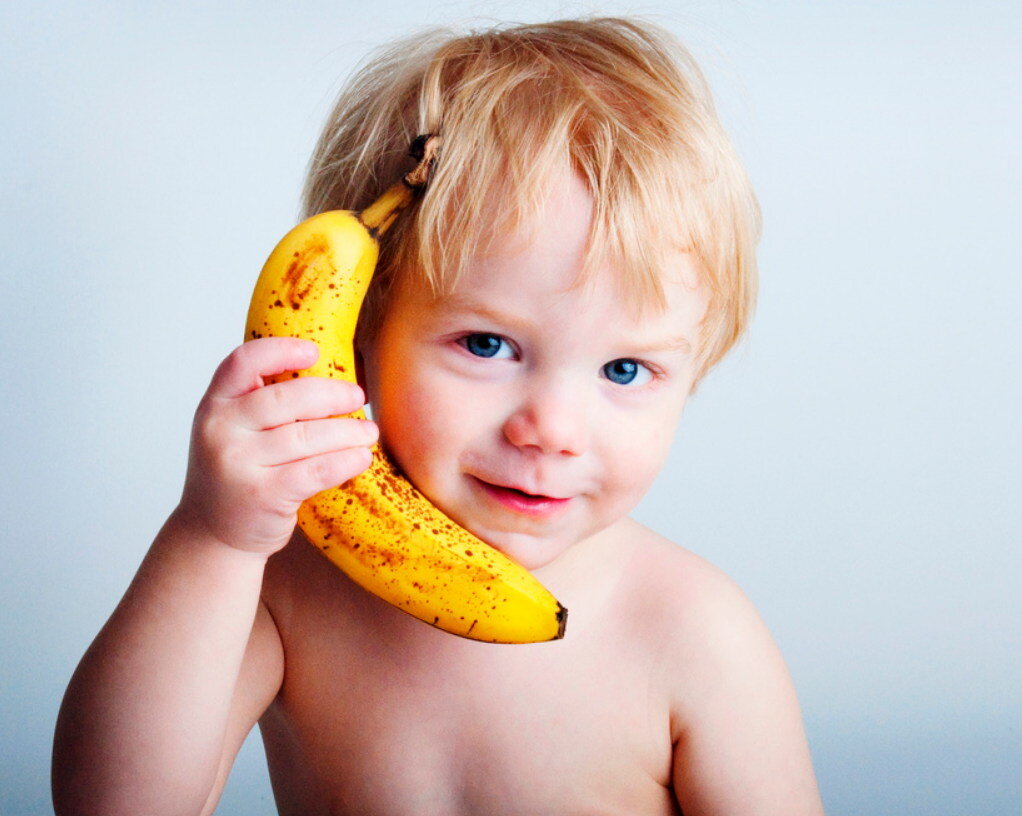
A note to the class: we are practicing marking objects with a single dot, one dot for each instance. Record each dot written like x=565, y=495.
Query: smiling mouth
x=521, y=502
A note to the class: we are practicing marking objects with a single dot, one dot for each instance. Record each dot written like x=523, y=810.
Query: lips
x=519, y=501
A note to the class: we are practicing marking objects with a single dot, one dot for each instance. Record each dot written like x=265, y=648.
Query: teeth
x=378, y=528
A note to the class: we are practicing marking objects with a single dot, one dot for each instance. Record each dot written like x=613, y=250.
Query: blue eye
x=627, y=372
x=486, y=345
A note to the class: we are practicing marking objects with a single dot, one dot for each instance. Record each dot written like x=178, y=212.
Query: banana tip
x=562, y=621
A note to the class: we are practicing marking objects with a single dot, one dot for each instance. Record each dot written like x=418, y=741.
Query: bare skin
x=380, y=714
x=667, y=692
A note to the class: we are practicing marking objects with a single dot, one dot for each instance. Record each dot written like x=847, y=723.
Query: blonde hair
x=618, y=100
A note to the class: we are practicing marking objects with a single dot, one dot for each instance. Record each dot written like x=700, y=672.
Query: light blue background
x=855, y=465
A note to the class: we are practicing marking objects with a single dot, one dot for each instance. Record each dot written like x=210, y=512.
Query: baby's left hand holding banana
x=260, y=448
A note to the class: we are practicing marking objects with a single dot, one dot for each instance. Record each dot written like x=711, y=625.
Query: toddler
x=582, y=257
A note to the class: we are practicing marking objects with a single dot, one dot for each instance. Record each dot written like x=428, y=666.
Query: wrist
x=184, y=524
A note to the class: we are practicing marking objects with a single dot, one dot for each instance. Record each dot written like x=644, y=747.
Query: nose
x=550, y=419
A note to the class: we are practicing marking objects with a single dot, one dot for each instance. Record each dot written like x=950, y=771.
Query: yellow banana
x=386, y=535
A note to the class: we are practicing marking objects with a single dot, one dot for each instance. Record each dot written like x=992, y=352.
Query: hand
x=258, y=451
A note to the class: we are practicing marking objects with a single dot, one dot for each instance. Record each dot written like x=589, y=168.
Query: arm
x=164, y=697
x=740, y=747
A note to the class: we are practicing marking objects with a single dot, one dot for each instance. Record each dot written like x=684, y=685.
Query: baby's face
x=534, y=414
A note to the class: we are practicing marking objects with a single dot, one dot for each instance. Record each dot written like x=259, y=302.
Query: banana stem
x=379, y=215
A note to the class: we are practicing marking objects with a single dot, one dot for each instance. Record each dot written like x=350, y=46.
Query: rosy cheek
x=429, y=420
x=639, y=456
x=636, y=476
x=410, y=414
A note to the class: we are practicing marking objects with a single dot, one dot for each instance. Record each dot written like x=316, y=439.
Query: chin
x=532, y=552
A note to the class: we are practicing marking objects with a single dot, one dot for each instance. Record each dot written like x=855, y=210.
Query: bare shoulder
x=712, y=640
x=697, y=618
x=684, y=594
x=735, y=721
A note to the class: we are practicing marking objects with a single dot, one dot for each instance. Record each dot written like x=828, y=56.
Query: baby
x=582, y=257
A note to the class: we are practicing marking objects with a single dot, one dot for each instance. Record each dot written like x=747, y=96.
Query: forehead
x=529, y=276
x=512, y=292
x=550, y=239
x=541, y=259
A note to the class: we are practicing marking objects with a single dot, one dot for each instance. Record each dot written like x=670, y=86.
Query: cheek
x=407, y=414
x=424, y=421
x=640, y=453
x=636, y=469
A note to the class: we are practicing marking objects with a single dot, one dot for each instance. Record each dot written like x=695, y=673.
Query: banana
x=378, y=528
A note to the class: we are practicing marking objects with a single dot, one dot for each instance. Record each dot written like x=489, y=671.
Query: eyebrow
x=459, y=305
x=679, y=343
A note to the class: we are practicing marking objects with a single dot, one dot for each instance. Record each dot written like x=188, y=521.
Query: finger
x=304, y=398
x=302, y=440
x=298, y=481
x=246, y=368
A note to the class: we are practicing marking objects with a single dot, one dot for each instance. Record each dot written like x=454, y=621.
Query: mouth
x=512, y=498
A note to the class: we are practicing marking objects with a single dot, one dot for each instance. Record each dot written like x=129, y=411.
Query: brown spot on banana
x=297, y=282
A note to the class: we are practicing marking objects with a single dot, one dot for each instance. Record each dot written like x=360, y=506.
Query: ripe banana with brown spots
x=378, y=528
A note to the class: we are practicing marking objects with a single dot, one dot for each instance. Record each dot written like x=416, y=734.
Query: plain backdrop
x=855, y=465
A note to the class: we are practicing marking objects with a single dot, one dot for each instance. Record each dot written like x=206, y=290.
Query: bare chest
x=381, y=714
